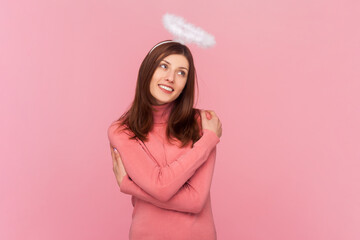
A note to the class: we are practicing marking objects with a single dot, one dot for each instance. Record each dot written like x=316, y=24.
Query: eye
x=163, y=65
x=182, y=73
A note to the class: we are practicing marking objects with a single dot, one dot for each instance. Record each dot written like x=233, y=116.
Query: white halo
x=184, y=32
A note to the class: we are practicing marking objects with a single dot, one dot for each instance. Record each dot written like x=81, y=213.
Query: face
x=169, y=78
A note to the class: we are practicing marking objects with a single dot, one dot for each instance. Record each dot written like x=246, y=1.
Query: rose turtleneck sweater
x=170, y=186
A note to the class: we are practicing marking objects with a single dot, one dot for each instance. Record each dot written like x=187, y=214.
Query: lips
x=166, y=86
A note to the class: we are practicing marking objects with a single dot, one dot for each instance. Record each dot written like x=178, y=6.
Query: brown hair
x=183, y=119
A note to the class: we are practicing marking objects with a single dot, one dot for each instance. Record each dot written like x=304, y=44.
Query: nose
x=170, y=76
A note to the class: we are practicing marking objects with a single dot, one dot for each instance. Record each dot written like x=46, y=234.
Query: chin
x=164, y=101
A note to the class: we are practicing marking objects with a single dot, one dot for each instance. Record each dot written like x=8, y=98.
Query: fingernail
x=115, y=150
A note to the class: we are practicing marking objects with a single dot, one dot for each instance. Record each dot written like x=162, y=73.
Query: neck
x=161, y=112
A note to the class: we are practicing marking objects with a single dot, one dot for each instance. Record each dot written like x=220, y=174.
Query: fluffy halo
x=184, y=32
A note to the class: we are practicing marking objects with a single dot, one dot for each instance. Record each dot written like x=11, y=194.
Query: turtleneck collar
x=161, y=113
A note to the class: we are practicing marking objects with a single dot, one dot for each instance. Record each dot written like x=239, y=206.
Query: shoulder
x=118, y=130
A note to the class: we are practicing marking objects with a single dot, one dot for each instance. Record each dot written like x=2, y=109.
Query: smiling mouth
x=169, y=89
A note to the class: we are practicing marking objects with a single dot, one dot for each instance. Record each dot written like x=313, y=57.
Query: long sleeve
x=192, y=195
x=161, y=182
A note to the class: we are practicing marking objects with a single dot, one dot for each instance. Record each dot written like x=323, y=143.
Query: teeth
x=166, y=88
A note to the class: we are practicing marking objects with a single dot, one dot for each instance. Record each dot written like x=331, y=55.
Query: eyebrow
x=170, y=64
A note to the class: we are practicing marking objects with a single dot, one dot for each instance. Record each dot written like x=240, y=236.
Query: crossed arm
x=191, y=197
x=183, y=185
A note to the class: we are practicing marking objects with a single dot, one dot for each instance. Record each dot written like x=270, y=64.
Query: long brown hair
x=183, y=123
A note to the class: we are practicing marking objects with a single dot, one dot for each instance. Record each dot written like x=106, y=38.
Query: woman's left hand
x=118, y=166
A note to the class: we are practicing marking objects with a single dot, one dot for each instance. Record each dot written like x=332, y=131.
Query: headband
x=161, y=44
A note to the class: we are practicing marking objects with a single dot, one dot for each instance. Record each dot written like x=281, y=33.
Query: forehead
x=177, y=60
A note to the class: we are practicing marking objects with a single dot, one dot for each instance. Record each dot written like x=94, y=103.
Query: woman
x=164, y=150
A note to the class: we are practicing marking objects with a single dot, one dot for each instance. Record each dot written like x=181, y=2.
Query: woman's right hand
x=210, y=121
x=118, y=166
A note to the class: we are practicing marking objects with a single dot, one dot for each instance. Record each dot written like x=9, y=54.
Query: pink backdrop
x=283, y=78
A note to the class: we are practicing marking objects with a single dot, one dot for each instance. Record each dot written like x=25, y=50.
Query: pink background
x=284, y=78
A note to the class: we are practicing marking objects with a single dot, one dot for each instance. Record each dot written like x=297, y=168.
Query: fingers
x=122, y=167
x=117, y=162
x=118, y=166
x=209, y=111
x=114, y=156
x=206, y=114
x=212, y=113
x=114, y=152
x=209, y=114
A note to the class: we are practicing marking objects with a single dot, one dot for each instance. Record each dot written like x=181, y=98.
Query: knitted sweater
x=170, y=185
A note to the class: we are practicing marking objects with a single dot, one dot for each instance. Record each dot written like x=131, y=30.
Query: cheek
x=157, y=74
x=153, y=84
x=182, y=86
